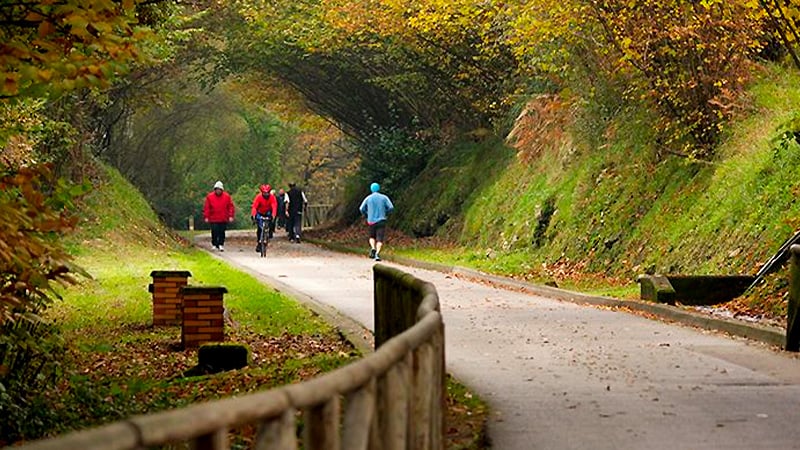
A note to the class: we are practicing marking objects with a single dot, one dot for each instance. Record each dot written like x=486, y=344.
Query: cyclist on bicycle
x=264, y=205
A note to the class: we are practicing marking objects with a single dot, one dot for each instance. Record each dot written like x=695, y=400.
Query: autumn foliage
x=468, y=63
x=32, y=260
x=692, y=66
x=60, y=45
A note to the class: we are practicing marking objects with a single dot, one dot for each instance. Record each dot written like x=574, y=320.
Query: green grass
x=117, y=293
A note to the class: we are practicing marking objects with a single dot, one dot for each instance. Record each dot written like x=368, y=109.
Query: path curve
x=558, y=375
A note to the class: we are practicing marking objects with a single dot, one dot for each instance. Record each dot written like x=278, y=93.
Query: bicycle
x=263, y=223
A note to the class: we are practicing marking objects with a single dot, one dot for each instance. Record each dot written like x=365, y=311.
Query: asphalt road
x=559, y=375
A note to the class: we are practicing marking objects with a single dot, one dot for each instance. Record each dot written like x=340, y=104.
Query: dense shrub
x=392, y=157
x=34, y=206
x=29, y=366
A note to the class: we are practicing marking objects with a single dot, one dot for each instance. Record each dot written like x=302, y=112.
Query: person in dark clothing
x=272, y=222
x=281, y=198
x=296, y=203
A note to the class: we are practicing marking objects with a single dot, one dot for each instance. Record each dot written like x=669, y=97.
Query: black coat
x=281, y=205
x=295, y=201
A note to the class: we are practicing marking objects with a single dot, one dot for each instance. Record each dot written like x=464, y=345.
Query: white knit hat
x=218, y=185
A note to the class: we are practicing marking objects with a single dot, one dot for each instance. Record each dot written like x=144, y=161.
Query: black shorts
x=377, y=230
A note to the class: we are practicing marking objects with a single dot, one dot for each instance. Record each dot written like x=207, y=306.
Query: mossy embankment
x=596, y=206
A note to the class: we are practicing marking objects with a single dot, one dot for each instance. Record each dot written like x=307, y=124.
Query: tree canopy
x=436, y=65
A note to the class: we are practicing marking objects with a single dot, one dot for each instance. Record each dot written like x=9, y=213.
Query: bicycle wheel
x=265, y=238
x=262, y=230
x=264, y=241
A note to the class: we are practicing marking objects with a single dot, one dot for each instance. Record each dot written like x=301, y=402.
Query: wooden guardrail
x=390, y=399
x=315, y=215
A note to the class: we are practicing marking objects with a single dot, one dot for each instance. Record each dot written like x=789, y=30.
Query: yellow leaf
x=45, y=75
x=33, y=17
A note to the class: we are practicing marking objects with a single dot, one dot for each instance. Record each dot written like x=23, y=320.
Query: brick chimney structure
x=166, y=290
x=203, y=319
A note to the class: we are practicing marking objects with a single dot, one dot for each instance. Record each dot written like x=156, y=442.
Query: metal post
x=793, y=324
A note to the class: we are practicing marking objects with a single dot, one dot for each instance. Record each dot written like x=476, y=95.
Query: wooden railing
x=315, y=215
x=390, y=399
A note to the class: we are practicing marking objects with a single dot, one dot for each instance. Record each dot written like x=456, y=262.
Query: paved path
x=558, y=375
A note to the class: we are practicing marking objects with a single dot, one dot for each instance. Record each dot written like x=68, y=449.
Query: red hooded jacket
x=218, y=208
x=262, y=205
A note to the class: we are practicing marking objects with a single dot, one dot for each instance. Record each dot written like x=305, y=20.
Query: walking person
x=280, y=197
x=376, y=207
x=275, y=216
x=296, y=202
x=264, y=205
x=218, y=211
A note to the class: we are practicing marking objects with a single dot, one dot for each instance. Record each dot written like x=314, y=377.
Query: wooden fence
x=315, y=215
x=390, y=399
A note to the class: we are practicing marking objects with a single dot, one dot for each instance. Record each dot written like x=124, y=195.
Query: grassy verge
x=509, y=264
x=117, y=364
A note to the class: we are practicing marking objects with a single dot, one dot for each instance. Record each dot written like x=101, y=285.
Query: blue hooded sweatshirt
x=376, y=207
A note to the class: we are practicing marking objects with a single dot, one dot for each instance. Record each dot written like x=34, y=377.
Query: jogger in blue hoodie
x=376, y=207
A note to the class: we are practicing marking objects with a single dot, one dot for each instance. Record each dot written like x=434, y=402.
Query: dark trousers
x=295, y=226
x=218, y=233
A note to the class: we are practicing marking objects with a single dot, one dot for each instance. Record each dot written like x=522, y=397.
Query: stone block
x=656, y=288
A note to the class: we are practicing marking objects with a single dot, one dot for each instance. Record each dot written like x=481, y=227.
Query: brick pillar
x=202, y=315
x=166, y=289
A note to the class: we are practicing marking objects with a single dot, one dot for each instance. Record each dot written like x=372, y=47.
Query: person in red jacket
x=264, y=205
x=218, y=211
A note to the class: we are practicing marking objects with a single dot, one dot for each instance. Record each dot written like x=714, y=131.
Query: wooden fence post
x=393, y=391
x=278, y=433
x=321, y=431
x=424, y=362
x=359, y=412
x=439, y=399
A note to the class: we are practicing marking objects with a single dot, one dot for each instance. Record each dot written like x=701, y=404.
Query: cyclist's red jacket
x=218, y=208
x=262, y=205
